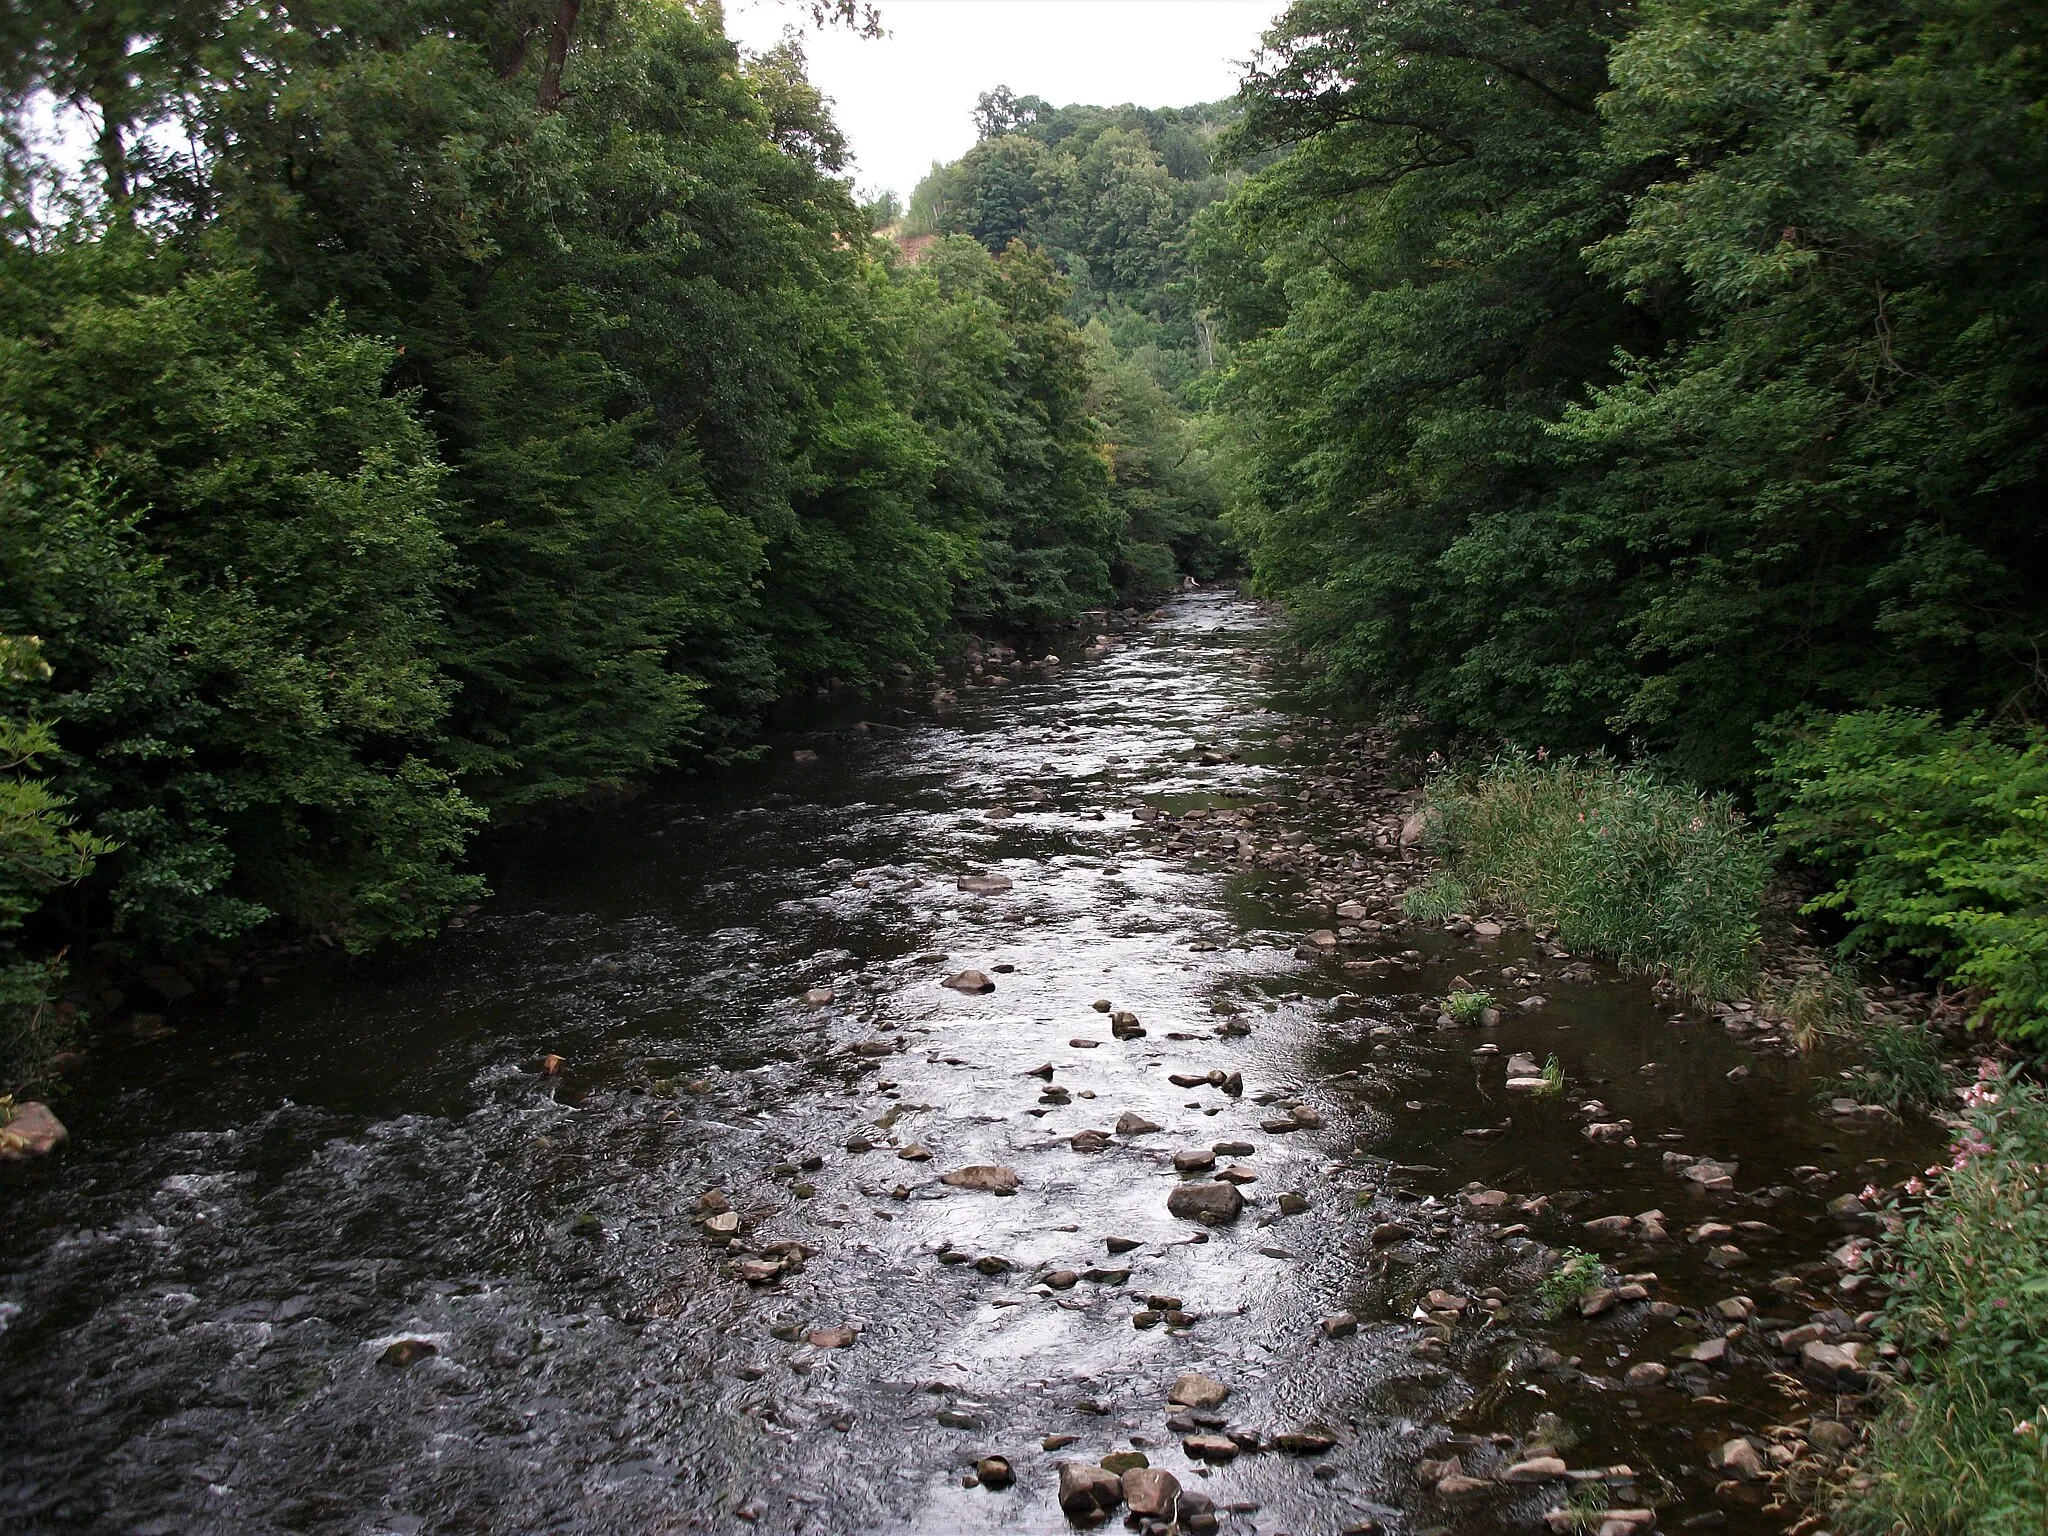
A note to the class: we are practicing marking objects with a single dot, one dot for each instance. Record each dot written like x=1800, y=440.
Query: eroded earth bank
x=348, y=1259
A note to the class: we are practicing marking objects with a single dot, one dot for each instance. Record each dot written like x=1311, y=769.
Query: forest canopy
x=415, y=413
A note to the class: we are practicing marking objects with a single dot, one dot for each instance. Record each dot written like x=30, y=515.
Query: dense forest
x=1109, y=195
x=415, y=414
x=1670, y=380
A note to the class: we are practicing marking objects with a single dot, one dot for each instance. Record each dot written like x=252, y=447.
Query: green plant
x=1553, y=1078
x=1938, y=839
x=1624, y=862
x=1436, y=899
x=1466, y=1007
x=1960, y=1448
x=1904, y=1069
x=1577, y=1273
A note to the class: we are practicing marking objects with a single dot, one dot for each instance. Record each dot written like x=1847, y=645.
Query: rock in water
x=1089, y=1495
x=984, y=885
x=971, y=982
x=990, y=1178
x=1197, y=1391
x=32, y=1131
x=1211, y=1202
x=994, y=1472
x=840, y=1337
x=1151, y=1491
x=404, y=1352
x=1131, y=1123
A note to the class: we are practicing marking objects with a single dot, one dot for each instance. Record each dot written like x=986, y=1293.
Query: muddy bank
x=346, y=1258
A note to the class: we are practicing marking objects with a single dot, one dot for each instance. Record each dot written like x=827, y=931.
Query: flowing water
x=199, y=1298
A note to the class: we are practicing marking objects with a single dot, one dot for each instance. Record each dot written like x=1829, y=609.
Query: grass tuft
x=1905, y=1069
x=1553, y=1078
x=1436, y=899
x=1624, y=862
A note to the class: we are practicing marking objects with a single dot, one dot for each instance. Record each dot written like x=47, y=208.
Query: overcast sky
x=906, y=99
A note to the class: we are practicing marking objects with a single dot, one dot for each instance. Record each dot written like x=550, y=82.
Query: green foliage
x=1552, y=1078
x=1627, y=376
x=1466, y=1007
x=1624, y=862
x=1961, y=1448
x=40, y=850
x=472, y=423
x=1938, y=837
x=1577, y=1273
x=1000, y=385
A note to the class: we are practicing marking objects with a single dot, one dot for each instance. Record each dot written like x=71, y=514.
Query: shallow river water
x=199, y=1298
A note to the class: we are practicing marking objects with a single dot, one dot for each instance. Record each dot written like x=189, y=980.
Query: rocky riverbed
x=1034, y=1111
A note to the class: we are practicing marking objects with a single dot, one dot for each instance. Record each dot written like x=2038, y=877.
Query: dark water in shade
x=196, y=1298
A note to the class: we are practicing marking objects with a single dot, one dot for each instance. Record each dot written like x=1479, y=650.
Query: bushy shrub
x=1467, y=1006
x=1962, y=1446
x=1577, y=1273
x=1937, y=837
x=1624, y=862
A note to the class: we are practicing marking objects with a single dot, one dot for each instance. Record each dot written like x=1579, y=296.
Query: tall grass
x=1961, y=1448
x=1624, y=862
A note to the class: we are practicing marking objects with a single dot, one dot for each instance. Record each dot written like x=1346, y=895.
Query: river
x=345, y=1258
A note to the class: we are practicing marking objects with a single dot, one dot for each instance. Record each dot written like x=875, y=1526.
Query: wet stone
x=974, y=983
x=1131, y=1123
x=991, y=1178
x=1197, y=1391
x=1151, y=1491
x=1212, y=1202
x=1089, y=1495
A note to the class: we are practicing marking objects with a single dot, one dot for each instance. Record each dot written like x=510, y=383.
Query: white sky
x=907, y=99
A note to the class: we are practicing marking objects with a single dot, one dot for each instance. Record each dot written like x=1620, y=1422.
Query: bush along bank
x=1961, y=1446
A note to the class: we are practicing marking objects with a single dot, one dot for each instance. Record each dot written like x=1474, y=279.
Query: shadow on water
x=198, y=1301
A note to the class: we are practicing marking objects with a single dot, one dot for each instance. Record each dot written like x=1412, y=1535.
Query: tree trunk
x=550, y=94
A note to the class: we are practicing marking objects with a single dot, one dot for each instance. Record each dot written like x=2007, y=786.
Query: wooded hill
x=420, y=411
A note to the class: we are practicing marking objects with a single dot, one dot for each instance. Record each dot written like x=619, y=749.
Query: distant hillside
x=1109, y=193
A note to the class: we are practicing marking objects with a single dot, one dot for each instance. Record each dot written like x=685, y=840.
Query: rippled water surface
x=200, y=1296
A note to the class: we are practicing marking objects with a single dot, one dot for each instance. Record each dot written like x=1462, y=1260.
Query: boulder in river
x=1197, y=1391
x=1212, y=1202
x=1152, y=1491
x=31, y=1131
x=1089, y=1495
x=974, y=983
x=1194, y=1159
x=990, y=1178
x=994, y=1472
x=1131, y=1123
x=1088, y=1140
x=985, y=885
x=839, y=1336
